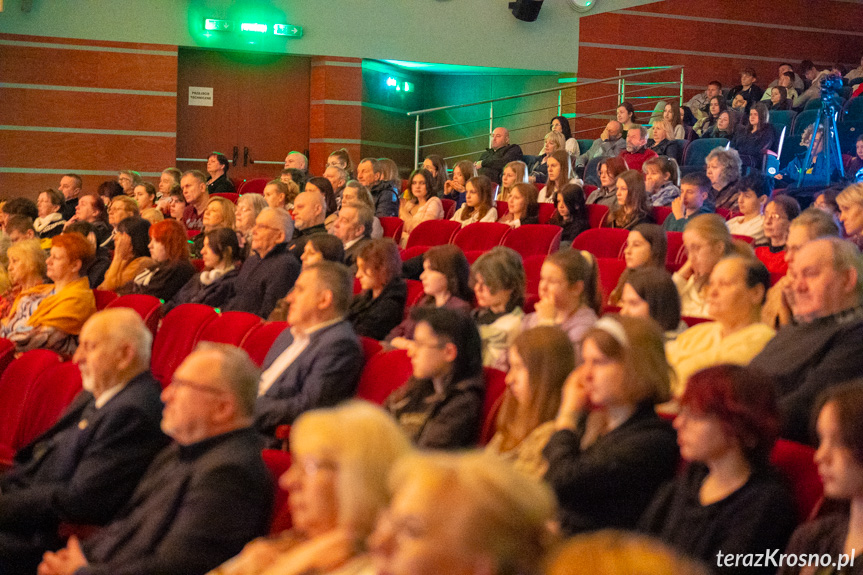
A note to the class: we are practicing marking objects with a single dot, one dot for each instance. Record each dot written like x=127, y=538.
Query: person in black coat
x=205, y=496
x=754, y=138
x=729, y=499
x=173, y=269
x=571, y=213
x=611, y=451
x=86, y=466
x=501, y=152
x=270, y=271
x=217, y=168
x=440, y=406
x=381, y=305
x=214, y=285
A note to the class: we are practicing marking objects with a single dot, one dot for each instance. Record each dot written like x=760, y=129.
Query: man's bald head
x=499, y=138
x=615, y=129
x=296, y=160
x=310, y=209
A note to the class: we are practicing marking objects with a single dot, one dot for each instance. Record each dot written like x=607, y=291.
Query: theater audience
x=671, y=114
x=522, y=206
x=70, y=186
x=317, y=361
x=723, y=171
x=248, y=208
x=168, y=180
x=121, y=207
x=478, y=203
x=50, y=221
x=559, y=174
x=553, y=142
x=498, y=283
x=462, y=173
x=560, y=124
x=513, y=173
x=323, y=247
x=778, y=214
x=440, y=406
x=840, y=465
x=729, y=499
x=341, y=158
x=501, y=152
x=337, y=178
x=445, y=279
x=611, y=452
x=692, y=202
x=650, y=293
x=370, y=173
x=571, y=213
x=540, y=359
x=379, y=307
x=699, y=104
x=50, y=316
x=217, y=168
x=297, y=161
x=194, y=186
x=91, y=209
x=101, y=261
x=747, y=88
x=646, y=246
x=752, y=195
x=778, y=99
x=606, y=195
x=856, y=163
x=632, y=205
x=109, y=190
x=636, y=152
x=734, y=298
x=131, y=255
x=325, y=188
x=337, y=486
x=295, y=180
x=824, y=346
x=707, y=240
x=310, y=208
x=84, y=468
x=213, y=286
x=479, y=516
x=205, y=495
x=569, y=295
x=608, y=146
x=660, y=180
x=420, y=203
x=20, y=228
x=353, y=227
x=754, y=137
x=437, y=167
x=625, y=115
x=177, y=205
x=662, y=143
x=270, y=270
x=220, y=213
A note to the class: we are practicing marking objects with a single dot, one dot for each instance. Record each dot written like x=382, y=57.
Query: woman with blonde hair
x=611, y=451
x=522, y=206
x=513, y=173
x=540, y=360
x=554, y=141
x=337, y=487
x=26, y=270
x=219, y=213
x=850, y=202
x=707, y=240
x=662, y=143
x=465, y=513
x=478, y=203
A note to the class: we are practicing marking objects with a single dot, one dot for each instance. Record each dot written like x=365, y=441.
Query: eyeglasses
x=177, y=383
x=774, y=217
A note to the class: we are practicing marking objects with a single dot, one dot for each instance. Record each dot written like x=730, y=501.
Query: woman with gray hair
x=337, y=486
x=248, y=208
x=723, y=171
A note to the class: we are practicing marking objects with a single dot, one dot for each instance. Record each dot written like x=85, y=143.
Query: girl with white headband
x=611, y=451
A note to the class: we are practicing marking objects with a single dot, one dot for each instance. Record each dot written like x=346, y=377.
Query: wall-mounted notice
x=200, y=96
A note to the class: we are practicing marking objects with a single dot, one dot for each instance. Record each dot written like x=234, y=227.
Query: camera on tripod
x=830, y=86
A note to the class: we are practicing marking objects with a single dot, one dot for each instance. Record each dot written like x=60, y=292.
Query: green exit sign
x=287, y=30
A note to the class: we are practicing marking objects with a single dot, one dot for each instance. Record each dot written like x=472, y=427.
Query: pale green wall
x=467, y=32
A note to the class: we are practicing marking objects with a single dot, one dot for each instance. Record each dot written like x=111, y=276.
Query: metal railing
x=639, y=91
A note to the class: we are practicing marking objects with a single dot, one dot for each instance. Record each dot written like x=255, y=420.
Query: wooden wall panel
x=83, y=106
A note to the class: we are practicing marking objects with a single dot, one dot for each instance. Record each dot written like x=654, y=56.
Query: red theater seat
x=230, y=327
x=534, y=239
x=230, y=196
x=51, y=392
x=546, y=211
x=383, y=374
x=602, y=242
x=495, y=386
x=148, y=307
x=180, y=330
x=259, y=341
x=795, y=462
x=596, y=214
x=278, y=462
x=433, y=233
x=480, y=236
x=393, y=228
x=103, y=298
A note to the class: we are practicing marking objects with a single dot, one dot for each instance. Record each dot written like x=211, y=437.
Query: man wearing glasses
x=204, y=496
x=270, y=271
x=85, y=468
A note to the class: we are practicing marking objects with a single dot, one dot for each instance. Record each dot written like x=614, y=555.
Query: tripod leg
x=808, y=158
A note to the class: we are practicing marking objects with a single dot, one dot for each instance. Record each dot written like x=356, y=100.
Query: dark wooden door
x=260, y=110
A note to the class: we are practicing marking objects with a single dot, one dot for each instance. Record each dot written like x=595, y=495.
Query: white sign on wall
x=200, y=96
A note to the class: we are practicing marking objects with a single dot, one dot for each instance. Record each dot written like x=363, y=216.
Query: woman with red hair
x=51, y=315
x=169, y=249
x=729, y=498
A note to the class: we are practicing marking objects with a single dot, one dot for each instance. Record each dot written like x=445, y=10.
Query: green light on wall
x=287, y=30
x=399, y=86
x=254, y=27
x=211, y=24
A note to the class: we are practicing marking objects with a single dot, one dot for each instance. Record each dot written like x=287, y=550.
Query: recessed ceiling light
x=582, y=5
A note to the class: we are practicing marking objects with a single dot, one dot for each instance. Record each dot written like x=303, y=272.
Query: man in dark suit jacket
x=354, y=228
x=205, y=496
x=270, y=271
x=317, y=362
x=85, y=468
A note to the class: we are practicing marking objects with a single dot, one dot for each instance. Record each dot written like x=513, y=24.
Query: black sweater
x=375, y=317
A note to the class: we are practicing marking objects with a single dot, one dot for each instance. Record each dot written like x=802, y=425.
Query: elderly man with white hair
x=270, y=271
x=86, y=466
x=205, y=496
